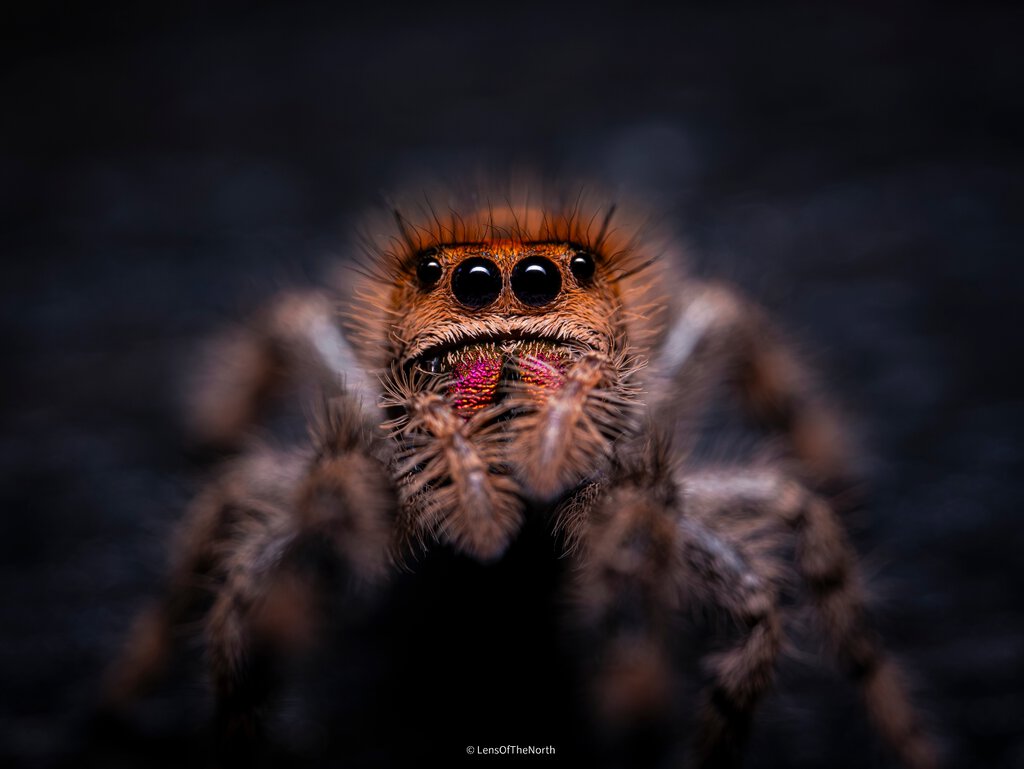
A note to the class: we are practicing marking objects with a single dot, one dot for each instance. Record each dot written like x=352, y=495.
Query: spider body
x=533, y=357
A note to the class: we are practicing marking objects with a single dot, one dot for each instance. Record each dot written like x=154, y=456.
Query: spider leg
x=626, y=585
x=263, y=477
x=827, y=563
x=260, y=540
x=258, y=613
x=296, y=337
x=341, y=511
x=720, y=335
x=643, y=558
x=725, y=574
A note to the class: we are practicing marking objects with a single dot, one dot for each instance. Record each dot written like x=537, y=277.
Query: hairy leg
x=260, y=540
x=339, y=520
x=296, y=337
x=265, y=478
x=261, y=611
x=626, y=543
x=729, y=570
x=718, y=335
x=643, y=557
x=827, y=563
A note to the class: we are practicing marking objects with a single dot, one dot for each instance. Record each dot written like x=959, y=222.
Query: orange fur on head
x=394, y=321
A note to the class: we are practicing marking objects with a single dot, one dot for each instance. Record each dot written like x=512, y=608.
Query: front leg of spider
x=252, y=560
x=827, y=564
x=338, y=521
x=642, y=560
x=719, y=337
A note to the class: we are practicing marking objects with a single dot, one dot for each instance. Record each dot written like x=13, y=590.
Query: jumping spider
x=530, y=358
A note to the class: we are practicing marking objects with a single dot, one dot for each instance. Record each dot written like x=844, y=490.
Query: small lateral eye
x=582, y=267
x=428, y=271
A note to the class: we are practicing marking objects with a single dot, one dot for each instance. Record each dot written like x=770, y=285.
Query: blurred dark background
x=857, y=170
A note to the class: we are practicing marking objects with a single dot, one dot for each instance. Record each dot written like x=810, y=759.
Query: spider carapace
x=493, y=353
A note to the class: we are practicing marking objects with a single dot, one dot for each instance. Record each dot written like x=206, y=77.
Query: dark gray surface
x=859, y=172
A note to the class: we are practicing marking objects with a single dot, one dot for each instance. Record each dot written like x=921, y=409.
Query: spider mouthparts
x=478, y=370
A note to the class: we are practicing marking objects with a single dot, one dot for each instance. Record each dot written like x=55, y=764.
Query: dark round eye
x=582, y=266
x=428, y=271
x=536, y=281
x=476, y=282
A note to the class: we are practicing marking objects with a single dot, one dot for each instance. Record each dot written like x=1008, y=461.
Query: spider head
x=482, y=313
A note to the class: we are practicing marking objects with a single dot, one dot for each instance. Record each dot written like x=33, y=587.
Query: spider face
x=484, y=313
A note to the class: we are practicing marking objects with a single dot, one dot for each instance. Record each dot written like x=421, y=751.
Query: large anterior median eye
x=536, y=281
x=476, y=282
